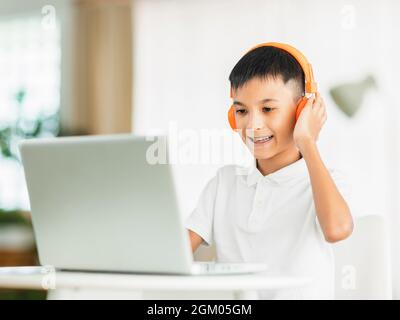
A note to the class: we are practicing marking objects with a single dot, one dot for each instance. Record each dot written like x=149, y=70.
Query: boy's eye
x=267, y=109
x=241, y=111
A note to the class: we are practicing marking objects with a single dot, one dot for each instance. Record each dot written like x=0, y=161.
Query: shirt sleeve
x=343, y=185
x=202, y=217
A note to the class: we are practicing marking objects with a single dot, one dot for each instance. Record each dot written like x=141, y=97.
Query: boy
x=287, y=209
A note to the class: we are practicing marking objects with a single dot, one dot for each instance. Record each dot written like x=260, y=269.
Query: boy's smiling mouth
x=261, y=139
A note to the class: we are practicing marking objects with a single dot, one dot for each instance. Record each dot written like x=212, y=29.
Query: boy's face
x=265, y=112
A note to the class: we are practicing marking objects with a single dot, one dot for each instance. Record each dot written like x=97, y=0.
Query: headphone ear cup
x=231, y=117
x=300, y=107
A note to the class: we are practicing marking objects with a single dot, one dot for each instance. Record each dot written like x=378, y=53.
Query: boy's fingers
x=315, y=104
x=324, y=117
x=317, y=101
x=321, y=108
x=310, y=102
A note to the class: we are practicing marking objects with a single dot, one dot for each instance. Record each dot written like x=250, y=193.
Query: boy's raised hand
x=310, y=121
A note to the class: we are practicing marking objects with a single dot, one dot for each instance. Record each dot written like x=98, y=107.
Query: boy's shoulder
x=233, y=172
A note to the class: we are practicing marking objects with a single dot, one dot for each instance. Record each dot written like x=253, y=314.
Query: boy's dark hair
x=265, y=62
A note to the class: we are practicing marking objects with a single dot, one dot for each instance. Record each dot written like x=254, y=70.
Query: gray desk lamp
x=349, y=96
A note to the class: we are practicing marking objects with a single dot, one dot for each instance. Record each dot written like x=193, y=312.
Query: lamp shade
x=349, y=96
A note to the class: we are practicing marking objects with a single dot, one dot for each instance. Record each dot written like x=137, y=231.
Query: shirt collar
x=284, y=176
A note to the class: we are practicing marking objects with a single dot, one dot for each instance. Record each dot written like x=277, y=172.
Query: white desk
x=83, y=285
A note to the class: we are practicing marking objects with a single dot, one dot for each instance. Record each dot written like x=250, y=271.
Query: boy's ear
x=298, y=100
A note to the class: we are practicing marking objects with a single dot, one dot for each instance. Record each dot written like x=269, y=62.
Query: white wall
x=185, y=50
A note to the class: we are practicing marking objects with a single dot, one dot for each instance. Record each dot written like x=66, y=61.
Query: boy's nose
x=256, y=121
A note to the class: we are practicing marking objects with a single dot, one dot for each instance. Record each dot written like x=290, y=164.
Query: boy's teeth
x=262, y=139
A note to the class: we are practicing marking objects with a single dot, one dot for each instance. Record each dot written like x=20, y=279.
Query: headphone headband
x=310, y=84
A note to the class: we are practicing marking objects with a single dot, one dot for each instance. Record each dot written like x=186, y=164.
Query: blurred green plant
x=24, y=127
x=13, y=217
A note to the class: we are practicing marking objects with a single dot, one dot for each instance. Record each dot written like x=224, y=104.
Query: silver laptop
x=99, y=205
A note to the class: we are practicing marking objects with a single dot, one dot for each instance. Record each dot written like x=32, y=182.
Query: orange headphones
x=310, y=84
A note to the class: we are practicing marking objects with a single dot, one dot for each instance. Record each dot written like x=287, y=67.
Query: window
x=30, y=72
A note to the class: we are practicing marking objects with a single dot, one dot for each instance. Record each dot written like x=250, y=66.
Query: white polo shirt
x=269, y=219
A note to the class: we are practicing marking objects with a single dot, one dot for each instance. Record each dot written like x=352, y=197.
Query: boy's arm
x=195, y=240
x=332, y=210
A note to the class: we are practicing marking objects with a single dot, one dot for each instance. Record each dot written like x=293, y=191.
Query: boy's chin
x=262, y=152
x=263, y=156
